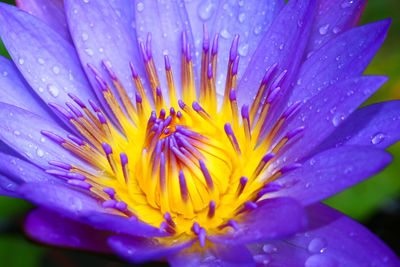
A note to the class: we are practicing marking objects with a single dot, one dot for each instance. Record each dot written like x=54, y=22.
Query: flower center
x=185, y=167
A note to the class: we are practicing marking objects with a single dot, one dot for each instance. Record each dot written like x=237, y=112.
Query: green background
x=374, y=202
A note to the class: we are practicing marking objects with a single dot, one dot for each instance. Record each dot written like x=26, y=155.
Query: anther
x=109, y=203
x=61, y=165
x=206, y=174
x=242, y=184
x=183, y=187
x=79, y=183
x=109, y=191
x=211, y=209
x=232, y=138
x=56, y=138
x=202, y=237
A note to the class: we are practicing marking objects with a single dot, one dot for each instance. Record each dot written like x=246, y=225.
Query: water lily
x=194, y=132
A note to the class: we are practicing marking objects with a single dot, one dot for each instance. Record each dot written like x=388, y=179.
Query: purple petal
x=332, y=239
x=50, y=228
x=20, y=171
x=324, y=112
x=250, y=20
x=8, y=187
x=138, y=250
x=217, y=255
x=376, y=125
x=165, y=20
x=330, y=172
x=99, y=33
x=283, y=44
x=46, y=60
x=343, y=57
x=50, y=12
x=15, y=91
x=332, y=18
x=21, y=130
x=265, y=223
x=80, y=206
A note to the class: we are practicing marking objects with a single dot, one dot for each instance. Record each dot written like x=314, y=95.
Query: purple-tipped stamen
x=211, y=209
x=234, y=48
x=206, y=174
x=183, y=187
x=79, y=183
x=61, y=165
x=56, y=138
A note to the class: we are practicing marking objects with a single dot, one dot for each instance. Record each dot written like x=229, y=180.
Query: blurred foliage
x=360, y=201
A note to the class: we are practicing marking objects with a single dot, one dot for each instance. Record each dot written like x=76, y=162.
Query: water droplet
x=269, y=248
x=53, y=90
x=336, y=30
x=42, y=139
x=86, y=1
x=89, y=51
x=241, y=17
x=257, y=30
x=40, y=60
x=39, y=152
x=281, y=46
x=347, y=3
x=323, y=29
x=16, y=132
x=225, y=34
x=338, y=118
x=5, y=73
x=56, y=70
x=307, y=185
x=75, y=203
x=316, y=245
x=140, y=6
x=319, y=260
x=243, y=49
x=262, y=259
x=21, y=61
x=85, y=36
x=377, y=138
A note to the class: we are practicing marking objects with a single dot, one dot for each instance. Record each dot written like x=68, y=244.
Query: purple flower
x=121, y=127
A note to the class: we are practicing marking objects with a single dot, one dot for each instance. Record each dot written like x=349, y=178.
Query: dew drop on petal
x=323, y=29
x=262, y=259
x=39, y=152
x=5, y=73
x=16, y=132
x=53, y=90
x=225, y=34
x=241, y=17
x=316, y=245
x=21, y=61
x=243, y=49
x=85, y=36
x=206, y=9
x=377, y=138
x=56, y=70
x=347, y=3
x=40, y=60
x=336, y=30
x=75, y=203
x=140, y=6
x=269, y=248
x=319, y=260
x=86, y=1
x=89, y=51
x=337, y=119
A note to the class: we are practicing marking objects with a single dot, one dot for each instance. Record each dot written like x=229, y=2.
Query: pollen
x=188, y=163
